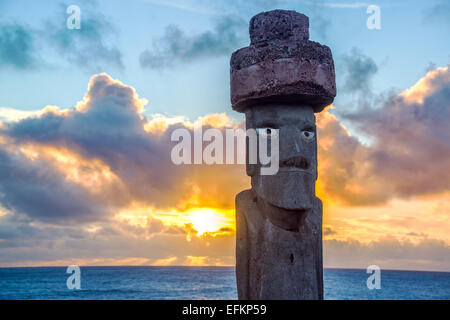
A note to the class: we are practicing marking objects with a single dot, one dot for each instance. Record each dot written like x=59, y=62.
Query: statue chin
x=289, y=220
x=289, y=190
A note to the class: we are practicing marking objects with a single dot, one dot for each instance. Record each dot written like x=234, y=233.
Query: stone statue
x=279, y=82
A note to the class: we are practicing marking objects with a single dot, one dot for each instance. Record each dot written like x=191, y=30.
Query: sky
x=86, y=117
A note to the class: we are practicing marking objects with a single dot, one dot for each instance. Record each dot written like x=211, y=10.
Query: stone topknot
x=282, y=65
x=279, y=25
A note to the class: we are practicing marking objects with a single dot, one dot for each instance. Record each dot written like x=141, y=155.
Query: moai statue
x=279, y=82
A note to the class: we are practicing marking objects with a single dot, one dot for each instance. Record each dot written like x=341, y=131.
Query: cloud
x=15, y=230
x=388, y=253
x=408, y=152
x=104, y=169
x=17, y=46
x=108, y=243
x=341, y=161
x=176, y=47
x=359, y=70
x=412, y=137
x=406, y=156
x=353, y=5
x=230, y=32
x=320, y=25
x=328, y=232
x=221, y=7
x=438, y=13
x=190, y=6
x=91, y=46
x=35, y=189
x=108, y=139
x=122, y=244
x=11, y=114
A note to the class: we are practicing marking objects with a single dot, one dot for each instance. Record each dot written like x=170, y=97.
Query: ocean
x=159, y=283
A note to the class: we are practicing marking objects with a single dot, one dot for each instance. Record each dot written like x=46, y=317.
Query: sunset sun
x=208, y=220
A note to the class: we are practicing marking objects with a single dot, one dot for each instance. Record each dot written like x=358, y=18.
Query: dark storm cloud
x=175, y=46
x=107, y=126
x=408, y=155
x=412, y=140
x=109, y=129
x=17, y=230
x=35, y=189
x=16, y=46
x=358, y=70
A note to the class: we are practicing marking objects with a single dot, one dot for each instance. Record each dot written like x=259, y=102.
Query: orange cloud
x=102, y=86
x=408, y=150
x=106, y=163
x=427, y=85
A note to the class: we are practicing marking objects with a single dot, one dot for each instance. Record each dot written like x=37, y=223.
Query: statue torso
x=275, y=263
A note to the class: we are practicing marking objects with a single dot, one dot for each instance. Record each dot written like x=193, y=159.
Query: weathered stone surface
x=279, y=25
x=281, y=64
x=308, y=50
x=293, y=187
x=280, y=81
x=275, y=264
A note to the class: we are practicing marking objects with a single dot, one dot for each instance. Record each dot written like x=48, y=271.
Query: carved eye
x=267, y=132
x=308, y=135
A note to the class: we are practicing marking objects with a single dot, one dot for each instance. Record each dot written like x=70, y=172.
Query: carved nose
x=297, y=161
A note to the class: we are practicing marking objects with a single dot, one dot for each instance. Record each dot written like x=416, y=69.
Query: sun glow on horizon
x=208, y=220
x=202, y=220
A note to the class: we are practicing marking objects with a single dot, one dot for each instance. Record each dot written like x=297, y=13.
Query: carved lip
x=294, y=169
x=299, y=162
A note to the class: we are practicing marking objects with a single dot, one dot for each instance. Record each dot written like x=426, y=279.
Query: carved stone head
x=293, y=187
x=279, y=81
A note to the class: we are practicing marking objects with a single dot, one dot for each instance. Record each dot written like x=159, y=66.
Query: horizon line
x=206, y=266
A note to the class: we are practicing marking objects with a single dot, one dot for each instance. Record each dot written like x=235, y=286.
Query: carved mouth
x=295, y=162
